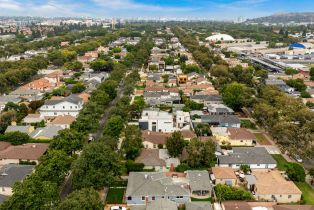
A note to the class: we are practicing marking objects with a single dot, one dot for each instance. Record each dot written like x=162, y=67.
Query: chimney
x=172, y=169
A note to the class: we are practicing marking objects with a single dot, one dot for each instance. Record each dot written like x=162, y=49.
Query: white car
x=298, y=159
x=117, y=208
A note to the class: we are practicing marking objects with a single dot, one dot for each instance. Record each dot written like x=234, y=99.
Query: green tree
x=132, y=142
x=225, y=192
x=291, y=71
x=86, y=198
x=75, y=65
x=33, y=193
x=200, y=154
x=182, y=167
x=298, y=84
x=98, y=166
x=236, y=95
x=78, y=88
x=175, y=144
x=68, y=140
x=53, y=166
x=202, y=129
x=114, y=126
x=15, y=138
x=245, y=169
x=312, y=73
x=295, y=172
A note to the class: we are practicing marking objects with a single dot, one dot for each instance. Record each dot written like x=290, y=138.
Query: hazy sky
x=216, y=9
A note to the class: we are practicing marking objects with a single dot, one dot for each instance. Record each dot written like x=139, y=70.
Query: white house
x=158, y=121
x=183, y=120
x=70, y=105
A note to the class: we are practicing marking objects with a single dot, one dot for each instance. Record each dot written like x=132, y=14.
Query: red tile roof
x=31, y=151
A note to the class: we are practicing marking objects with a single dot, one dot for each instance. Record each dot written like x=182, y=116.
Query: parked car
x=117, y=208
x=298, y=159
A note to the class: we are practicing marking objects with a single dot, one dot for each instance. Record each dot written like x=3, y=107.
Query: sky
x=191, y=9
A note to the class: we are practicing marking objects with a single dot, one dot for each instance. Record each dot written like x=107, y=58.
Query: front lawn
x=248, y=124
x=115, y=195
x=281, y=162
x=204, y=199
x=307, y=192
x=261, y=139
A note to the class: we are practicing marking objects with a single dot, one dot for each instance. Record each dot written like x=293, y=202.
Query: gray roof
x=231, y=119
x=20, y=128
x=71, y=99
x=9, y=98
x=199, y=180
x=199, y=205
x=207, y=97
x=276, y=82
x=50, y=131
x=247, y=155
x=154, y=77
x=22, y=92
x=154, y=184
x=162, y=204
x=9, y=174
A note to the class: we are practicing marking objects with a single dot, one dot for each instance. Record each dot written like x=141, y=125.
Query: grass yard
x=248, y=124
x=281, y=162
x=261, y=139
x=115, y=195
x=307, y=192
x=205, y=199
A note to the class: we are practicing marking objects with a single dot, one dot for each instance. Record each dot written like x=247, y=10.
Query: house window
x=63, y=107
x=289, y=196
x=55, y=113
x=153, y=198
x=70, y=107
x=154, y=146
x=75, y=107
x=143, y=198
x=129, y=198
x=53, y=107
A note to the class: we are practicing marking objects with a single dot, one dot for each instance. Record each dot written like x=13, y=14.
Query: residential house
x=157, y=159
x=198, y=205
x=182, y=79
x=158, y=98
x=160, y=204
x=236, y=205
x=70, y=105
x=63, y=121
x=219, y=109
x=20, y=128
x=6, y=99
x=91, y=76
x=32, y=118
x=272, y=186
x=42, y=84
x=62, y=44
x=30, y=95
x=230, y=121
x=206, y=99
x=104, y=50
x=157, y=121
x=199, y=183
x=193, y=75
x=47, y=132
x=255, y=157
x=12, y=173
x=154, y=77
x=154, y=140
x=85, y=59
x=183, y=120
x=233, y=136
x=151, y=160
x=30, y=152
x=145, y=187
x=93, y=54
x=222, y=175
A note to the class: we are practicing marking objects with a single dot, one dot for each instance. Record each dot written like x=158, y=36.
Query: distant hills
x=285, y=18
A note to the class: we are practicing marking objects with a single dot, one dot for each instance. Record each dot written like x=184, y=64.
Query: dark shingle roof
x=13, y=173
x=247, y=155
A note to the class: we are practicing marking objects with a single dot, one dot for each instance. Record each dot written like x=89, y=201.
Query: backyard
x=281, y=162
x=261, y=139
x=115, y=195
x=307, y=192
